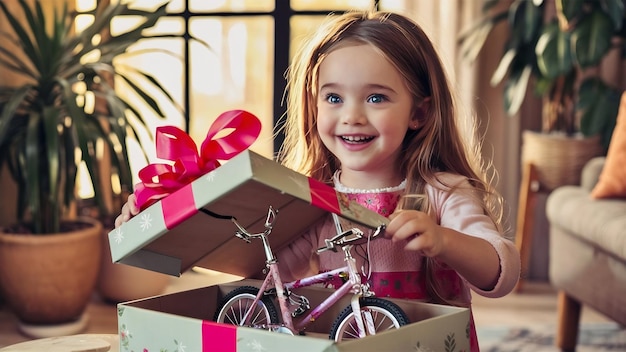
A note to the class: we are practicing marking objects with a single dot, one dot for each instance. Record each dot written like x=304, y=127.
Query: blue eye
x=376, y=98
x=333, y=99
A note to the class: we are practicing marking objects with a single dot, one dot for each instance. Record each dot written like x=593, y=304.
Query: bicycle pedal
x=300, y=310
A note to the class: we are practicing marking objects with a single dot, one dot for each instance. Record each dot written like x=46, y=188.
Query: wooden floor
x=535, y=305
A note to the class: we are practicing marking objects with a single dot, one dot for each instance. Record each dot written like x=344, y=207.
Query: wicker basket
x=558, y=159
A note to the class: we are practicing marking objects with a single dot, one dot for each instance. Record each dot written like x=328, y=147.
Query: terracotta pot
x=121, y=282
x=49, y=279
x=558, y=159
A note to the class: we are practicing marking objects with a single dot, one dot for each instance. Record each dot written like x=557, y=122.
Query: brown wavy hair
x=437, y=146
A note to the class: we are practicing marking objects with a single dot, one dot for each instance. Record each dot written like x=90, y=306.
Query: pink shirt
x=395, y=272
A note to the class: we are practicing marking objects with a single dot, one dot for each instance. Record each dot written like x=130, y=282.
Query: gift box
x=182, y=322
x=176, y=233
x=191, y=227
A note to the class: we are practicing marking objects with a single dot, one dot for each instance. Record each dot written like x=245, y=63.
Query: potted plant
x=47, y=129
x=556, y=47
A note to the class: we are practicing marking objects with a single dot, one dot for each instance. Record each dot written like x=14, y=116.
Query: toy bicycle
x=254, y=307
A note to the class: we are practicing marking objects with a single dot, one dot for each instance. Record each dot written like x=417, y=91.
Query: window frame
x=282, y=15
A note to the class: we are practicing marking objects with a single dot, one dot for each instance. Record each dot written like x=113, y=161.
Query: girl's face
x=364, y=111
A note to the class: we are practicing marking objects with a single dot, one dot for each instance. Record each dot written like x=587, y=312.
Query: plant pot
x=121, y=282
x=48, y=280
x=558, y=159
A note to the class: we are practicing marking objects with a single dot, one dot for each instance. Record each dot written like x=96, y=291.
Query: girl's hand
x=129, y=209
x=418, y=230
x=473, y=258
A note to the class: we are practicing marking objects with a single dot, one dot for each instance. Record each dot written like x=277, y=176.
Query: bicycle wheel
x=385, y=315
x=239, y=301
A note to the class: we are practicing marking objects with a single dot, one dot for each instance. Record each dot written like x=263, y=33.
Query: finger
x=404, y=234
x=124, y=215
x=133, y=209
x=118, y=221
x=398, y=222
x=408, y=230
x=414, y=242
x=421, y=244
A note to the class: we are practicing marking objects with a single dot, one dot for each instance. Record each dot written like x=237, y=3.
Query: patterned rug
x=598, y=337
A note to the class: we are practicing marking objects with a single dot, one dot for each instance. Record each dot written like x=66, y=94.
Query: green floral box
x=182, y=322
x=175, y=234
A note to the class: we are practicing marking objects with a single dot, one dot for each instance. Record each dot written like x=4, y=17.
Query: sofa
x=587, y=253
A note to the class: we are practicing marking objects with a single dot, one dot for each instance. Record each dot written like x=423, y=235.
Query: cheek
x=324, y=123
x=394, y=131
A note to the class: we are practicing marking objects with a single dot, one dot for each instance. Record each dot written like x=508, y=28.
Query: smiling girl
x=371, y=112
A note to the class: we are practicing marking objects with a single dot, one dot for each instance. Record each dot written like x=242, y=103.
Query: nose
x=353, y=114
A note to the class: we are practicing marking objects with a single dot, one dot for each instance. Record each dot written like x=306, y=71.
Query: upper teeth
x=355, y=138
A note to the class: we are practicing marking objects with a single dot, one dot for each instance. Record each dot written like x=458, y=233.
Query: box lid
x=172, y=235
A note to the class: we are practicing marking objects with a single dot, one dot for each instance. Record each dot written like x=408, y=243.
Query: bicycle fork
x=365, y=326
x=272, y=279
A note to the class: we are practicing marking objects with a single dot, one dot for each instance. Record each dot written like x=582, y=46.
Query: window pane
x=165, y=25
x=230, y=5
x=176, y=6
x=236, y=73
x=393, y=5
x=302, y=27
x=85, y=5
x=142, y=4
x=317, y=5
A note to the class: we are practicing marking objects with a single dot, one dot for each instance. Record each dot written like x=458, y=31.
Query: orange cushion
x=612, y=181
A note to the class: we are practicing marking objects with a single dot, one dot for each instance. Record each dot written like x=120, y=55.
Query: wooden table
x=74, y=343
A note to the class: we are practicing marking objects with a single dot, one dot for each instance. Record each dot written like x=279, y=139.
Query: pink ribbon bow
x=159, y=180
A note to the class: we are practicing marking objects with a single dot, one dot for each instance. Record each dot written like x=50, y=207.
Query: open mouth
x=357, y=139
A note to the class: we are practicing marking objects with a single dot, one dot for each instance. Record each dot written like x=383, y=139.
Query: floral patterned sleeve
x=298, y=259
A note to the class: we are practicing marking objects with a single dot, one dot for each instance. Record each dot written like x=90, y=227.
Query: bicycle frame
x=273, y=280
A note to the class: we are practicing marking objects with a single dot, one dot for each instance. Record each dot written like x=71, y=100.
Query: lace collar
x=343, y=189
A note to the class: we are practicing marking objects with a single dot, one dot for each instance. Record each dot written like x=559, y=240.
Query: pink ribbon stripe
x=324, y=196
x=218, y=337
x=178, y=206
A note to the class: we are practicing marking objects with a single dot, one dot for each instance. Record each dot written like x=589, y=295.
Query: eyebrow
x=367, y=86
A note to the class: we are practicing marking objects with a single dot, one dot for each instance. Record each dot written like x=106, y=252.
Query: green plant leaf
x=598, y=105
x=473, y=39
x=22, y=34
x=503, y=67
x=615, y=9
x=43, y=123
x=525, y=19
x=554, y=57
x=9, y=111
x=50, y=127
x=15, y=64
x=591, y=39
x=572, y=9
x=515, y=89
x=31, y=161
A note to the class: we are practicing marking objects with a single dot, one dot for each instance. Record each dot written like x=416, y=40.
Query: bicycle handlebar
x=350, y=237
x=243, y=234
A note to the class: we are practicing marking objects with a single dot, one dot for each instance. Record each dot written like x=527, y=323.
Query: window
x=250, y=44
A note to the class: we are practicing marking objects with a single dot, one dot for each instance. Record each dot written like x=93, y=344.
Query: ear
x=421, y=110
